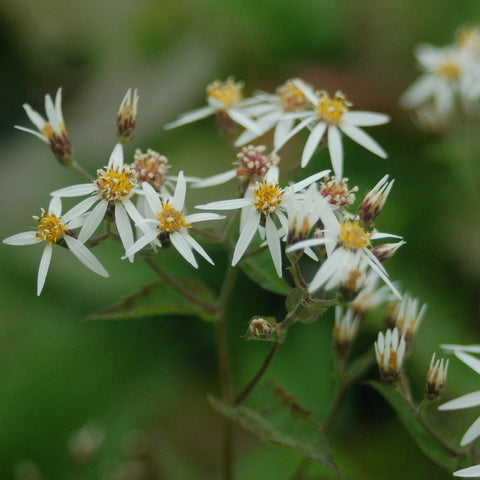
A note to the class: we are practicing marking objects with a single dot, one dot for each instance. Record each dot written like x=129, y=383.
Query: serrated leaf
x=160, y=298
x=260, y=269
x=275, y=417
x=413, y=424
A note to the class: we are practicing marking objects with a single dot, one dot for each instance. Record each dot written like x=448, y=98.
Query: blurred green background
x=141, y=386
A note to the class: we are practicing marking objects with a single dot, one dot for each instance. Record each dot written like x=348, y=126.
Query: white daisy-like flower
x=466, y=401
x=51, y=131
x=263, y=202
x=271, y=112
x=169, y=225
x=449, y=74
x=55, y=228
x=224, y=99
x=348, y=248
x=330, y=117
x=113, y=187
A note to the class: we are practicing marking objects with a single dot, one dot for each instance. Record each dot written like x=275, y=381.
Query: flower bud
x=127, y=116
x=345, y=330
x=386, y=250
x=389, y=352
x=261, y=328
x=373, y=202
x=436, y=378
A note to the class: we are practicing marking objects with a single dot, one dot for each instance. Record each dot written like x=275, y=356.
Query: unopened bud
x=373, y=202
x=127, y=116
x=386, y=250
x=261, y=328
x=436, y=378
x=389, y=352
x=345, y=330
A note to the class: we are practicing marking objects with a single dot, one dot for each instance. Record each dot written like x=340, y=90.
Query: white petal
x=43, y=267
x=461, y=348
x=419, y=92
x=147, y=238
x=24, y=238
x=194, y=244
x=309, y=180
x=363, y=139
x=248, y=231
x=245, y=137
x=116, y=157
x=202, y=217
x=183, y=248
x=226, y=204
x=153, y=198
x=283, y=128
x=365, y=119
x=135, y=215
x=190, y=117
x=85, y=255
x=124, y=227
x=58, y=107
x=34, y=117
x=465, y=401
x=311, y=242
x=93, y=221
x=50, y=110
x=180, y=191
x=283, y=140
x=244, y=121
x=33, y=132
x=326, y=271
x=312, y=142
x=215, y=179
x=75, y=190
x=273, y=241
x=55, y=206
x=469, y=472
x=79, y=209
x=336, y=150
x=470, y=360
x=471, y=434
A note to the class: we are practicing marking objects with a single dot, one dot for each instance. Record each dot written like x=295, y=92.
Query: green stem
x=79, y=169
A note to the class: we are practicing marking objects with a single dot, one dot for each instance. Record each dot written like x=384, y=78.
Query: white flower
x=169, y=224
x=51, y=131
x=467, y=401
x=55, y=228
x=348, y=248
x=329, y=118
x=264, y=201
x=469, y=472
x=113, y=188
x=449, y=75
x=271, y=112
x=223, y=98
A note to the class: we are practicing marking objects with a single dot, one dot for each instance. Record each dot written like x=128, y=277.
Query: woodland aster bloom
x=114, y=186
x=466, y=401
x=224, y=99
x=263, y=201
x=51, y=131
x=329, y=118
x=53, y=228
x=170, y=225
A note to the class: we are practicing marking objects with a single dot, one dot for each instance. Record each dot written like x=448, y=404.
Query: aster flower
x=151, y=167
x=272, y=112
x=263, y=202
x=55, y=228
x=330, y=117
x=51, y=131
x=389, y=353
x=114, y=186
x=466, y=401
x=225, y=100
x=348, y=248
x=169, y=225
x=449, y=74
x=337, y=193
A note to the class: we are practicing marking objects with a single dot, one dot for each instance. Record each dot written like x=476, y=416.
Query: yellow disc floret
x=227, y=93
x=331, y=110
x=449, y=70
x=115, y=184
x=267, y=197
x=291, y=97
x=171, y=220
x=51, y=228
x=352, y=236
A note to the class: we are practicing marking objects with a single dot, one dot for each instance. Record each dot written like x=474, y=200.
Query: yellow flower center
x=292, y=98
x=267, y=197
x=228, y=93
x=170, y=219
x=51, y=228
x=116, y=184
x=331, y=110
x=352, y=236
x=449, y=70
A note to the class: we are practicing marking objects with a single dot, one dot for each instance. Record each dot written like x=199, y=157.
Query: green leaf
x=260, y=269
x=160, y=298
x=275, y=417
x=445, y=455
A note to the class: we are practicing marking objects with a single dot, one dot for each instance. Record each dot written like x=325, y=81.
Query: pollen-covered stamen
x=449, y=70
x=291, y=97
x=267, y=197
x=51, y=228
x=337, y=192
x=331, y=110
x=171, y=220
x=254, y=163
x=228, y=93
x=115, y=184
x=352, y=236
x=151, y=167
